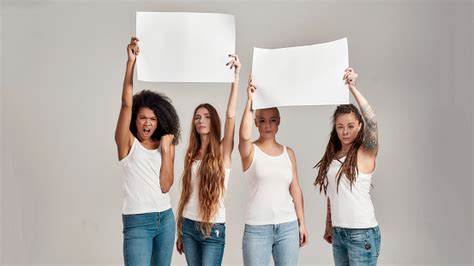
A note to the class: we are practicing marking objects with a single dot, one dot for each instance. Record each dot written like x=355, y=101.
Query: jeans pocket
x=358, y=235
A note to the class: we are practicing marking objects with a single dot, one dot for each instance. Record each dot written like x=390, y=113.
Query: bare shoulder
x=291, y=153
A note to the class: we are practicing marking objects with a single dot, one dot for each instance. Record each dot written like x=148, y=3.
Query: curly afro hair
x=168, y=120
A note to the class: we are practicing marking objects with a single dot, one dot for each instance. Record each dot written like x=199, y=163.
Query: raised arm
x=123, y=136
x=245, y=132
x=167, y=162
x=227, y=143
x=370, y=143
x=297, y=195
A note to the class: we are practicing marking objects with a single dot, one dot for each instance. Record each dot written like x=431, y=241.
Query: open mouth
x=146, y=132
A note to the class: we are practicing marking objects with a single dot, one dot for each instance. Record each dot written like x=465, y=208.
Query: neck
x=267, y=141
x=345, y=149
x=205, y=140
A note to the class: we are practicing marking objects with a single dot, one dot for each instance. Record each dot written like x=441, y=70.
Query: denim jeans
x=355, y=246
x=200, y=250
x=260, y=242
x=148, y=238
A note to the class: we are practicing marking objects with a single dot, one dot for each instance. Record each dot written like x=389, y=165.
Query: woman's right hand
x=250, y=88
x=133, y=49
x=179, y=246
x=328, y=234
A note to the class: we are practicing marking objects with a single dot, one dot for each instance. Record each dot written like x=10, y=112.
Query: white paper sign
x=185, y=47
x=303, y=75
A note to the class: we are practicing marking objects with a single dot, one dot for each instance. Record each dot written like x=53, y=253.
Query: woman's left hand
x=350, y=77
x=303, y=235
x=234, y=63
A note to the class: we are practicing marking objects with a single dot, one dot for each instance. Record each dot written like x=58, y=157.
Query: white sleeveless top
x=141, y=186
x=191, y=209
x=350, y=209
x=269, y=178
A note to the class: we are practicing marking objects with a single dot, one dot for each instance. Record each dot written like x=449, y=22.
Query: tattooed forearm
x=370, y=130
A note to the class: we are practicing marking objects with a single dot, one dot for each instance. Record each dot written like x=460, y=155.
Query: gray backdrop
x=62, y=66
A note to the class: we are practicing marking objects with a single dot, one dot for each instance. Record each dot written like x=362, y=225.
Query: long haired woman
x=345, y=176
x=207, y=163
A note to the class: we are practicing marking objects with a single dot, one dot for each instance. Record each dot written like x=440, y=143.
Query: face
x=347, y=127
x=146, y=123
x=267, y=122
x=202, y=121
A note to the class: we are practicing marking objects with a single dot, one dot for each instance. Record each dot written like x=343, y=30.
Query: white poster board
x=185, y=47
x=303, y=75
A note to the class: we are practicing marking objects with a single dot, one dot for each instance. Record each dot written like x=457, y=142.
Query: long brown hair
x=349, y=166
x=211, y=172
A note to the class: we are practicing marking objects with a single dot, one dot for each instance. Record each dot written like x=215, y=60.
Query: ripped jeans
x=355, y=247
x=200, y=250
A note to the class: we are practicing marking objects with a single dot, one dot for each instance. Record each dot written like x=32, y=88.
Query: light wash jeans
x=200, y=250
x=260, y=242
x=355, y=247
x=148, y=238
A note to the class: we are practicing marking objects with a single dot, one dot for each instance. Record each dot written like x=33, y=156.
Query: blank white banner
x=303, y=75
x=185, y=47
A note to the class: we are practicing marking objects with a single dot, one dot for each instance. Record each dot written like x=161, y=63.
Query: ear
x=255, y=120
x=360, y=127
x=278, y=121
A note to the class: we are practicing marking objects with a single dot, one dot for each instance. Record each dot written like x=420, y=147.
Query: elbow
x=166, y=185
x=165, y=188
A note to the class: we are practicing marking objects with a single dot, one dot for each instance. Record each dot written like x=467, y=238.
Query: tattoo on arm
x=370, y=131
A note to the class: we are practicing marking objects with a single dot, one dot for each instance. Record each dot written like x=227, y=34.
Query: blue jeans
x=148, y=238
x=200, y=250
x=355, y=246
x=260, y=242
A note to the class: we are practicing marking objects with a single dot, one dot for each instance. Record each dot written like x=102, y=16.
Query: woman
x=201, y=214
x=147, y=130
x=274, y=222
x=345, y=175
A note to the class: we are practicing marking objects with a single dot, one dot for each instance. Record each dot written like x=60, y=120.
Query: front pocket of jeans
x=358, y=236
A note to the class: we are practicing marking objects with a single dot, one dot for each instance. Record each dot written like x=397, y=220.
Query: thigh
x=138, y=239
x=339, y=249
x=362, y=246
x=163, y=242
x=191, y=243
x=213, y=246
x=257, y=244
x=287, y=245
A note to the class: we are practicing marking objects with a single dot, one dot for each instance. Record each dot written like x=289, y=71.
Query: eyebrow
x=142, y=115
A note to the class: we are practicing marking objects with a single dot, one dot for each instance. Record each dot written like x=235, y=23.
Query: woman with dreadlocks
x=147, y=131
x=345, y=175
x=201, y=213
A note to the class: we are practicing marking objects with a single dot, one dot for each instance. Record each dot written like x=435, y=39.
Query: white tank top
x=191, y=209
x=141, y=186
x=350, y=209
x=269, y=199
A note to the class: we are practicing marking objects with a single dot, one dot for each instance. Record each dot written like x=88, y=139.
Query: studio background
x=62, y=67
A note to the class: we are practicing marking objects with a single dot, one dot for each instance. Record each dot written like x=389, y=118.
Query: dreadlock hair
x=349, y=166
x=211, y=173
x=168, y=120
